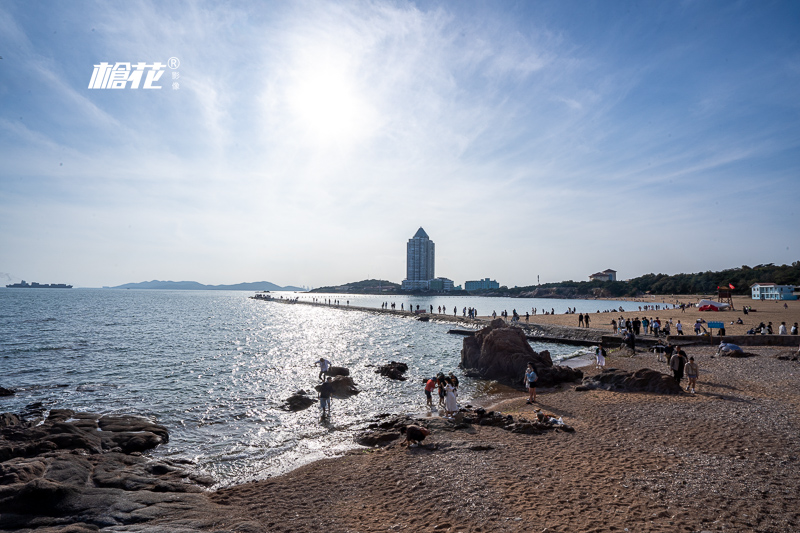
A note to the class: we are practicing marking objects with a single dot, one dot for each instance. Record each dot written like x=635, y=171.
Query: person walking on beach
x=782, y=329
x=614, y=326
x=325, y=393
x=794, y=329
x=580, y=320
x=586, y=320
x=324, y=366
x=692, y=371
x=679, y=328
x=530, y=382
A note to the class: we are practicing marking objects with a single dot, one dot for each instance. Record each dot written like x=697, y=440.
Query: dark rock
x=9, y=419
x=6, y=392
x=377, y=437
x=60, y=475
x=298, y=401
x=343, y=387
x=393, y=370
x=132, y=423
x=337, y=371
x=643, y=380
x=502, y=353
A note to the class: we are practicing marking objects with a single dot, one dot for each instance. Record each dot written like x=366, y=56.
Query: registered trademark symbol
x=173, y=62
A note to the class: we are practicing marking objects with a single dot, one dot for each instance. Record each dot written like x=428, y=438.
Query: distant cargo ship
x=34, y=285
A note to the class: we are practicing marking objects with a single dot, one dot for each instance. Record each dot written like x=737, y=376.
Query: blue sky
x=307, y=141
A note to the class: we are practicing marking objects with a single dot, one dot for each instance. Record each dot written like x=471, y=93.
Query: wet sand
x=724, y=459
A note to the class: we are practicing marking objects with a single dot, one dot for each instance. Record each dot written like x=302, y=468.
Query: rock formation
x=298, y=401
x=643, y=380
x=343, y=387
x=502, y=353
x=337, y=371
x=393, y=370
x=80, y=472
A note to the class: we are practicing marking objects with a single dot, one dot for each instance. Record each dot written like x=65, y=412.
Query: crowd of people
x=447, y=390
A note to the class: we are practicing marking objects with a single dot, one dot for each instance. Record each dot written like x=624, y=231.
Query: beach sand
x=764, y=312
x=724, y=459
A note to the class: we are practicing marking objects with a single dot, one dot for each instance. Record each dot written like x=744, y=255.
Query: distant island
x=367, y=286
x=379, y=286
x=195, y=286
x=24, y=285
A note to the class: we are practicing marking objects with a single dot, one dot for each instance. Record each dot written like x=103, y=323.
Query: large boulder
x=393, y=370
x=502, y=352
x=343, y=387
x=643, y=380
x=298, y=401
x=337, y=371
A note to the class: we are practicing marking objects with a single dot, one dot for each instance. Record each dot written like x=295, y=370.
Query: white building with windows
x=772, y=291
x=605, y=275
x=484, y=283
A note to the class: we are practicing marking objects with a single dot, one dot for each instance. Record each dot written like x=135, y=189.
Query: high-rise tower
x=420, y=260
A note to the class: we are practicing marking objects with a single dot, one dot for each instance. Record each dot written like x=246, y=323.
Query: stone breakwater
x=396, y=312
x=76, y=472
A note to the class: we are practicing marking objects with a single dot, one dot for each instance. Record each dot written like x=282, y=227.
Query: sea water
x=215, y=366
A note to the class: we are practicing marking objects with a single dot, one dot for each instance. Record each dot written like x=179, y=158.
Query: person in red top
x=430, y=385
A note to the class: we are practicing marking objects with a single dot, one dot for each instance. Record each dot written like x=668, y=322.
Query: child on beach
x=600, y=357
x=692, y=371
x=530, y=382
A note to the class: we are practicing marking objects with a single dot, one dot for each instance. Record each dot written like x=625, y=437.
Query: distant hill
x=195, y=286
x=367, y=286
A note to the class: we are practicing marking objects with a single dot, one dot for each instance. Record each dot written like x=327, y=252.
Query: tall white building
x=420, y=261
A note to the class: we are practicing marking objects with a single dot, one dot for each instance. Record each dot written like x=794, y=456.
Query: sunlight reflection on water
x=215, y=367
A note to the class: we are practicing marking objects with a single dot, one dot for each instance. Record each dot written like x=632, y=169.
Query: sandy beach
x=723, y=459
x=765, y=311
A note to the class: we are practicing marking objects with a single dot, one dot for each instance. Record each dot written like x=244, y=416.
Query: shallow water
x=215, y=366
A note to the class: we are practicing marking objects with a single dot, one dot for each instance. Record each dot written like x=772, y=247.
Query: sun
x=327, y=102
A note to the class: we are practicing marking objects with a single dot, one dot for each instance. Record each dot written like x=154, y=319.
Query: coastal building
x=441, y=284
x=484, y=283
x=772, y=291
x=420, y=261
x=605, y=275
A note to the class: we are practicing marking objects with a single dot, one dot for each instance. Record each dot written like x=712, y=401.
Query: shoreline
x=640, y=461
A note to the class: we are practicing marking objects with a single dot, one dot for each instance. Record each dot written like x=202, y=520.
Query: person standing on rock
x=530, y=382
x=324, y=366
x=325, y=393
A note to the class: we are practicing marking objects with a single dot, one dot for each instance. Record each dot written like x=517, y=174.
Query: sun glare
x=327, y=103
